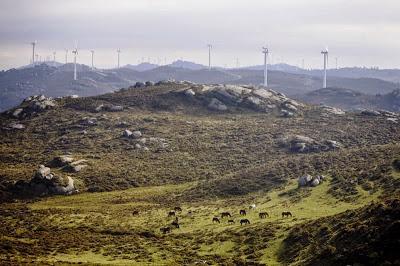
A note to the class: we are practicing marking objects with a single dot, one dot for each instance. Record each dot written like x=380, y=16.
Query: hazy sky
x=357, y=32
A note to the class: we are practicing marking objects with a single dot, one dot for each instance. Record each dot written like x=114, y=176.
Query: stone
x=127, y=133
x=332, y=144
x=370, y=113
x=142, y=140
x=17, y=112
x=42, y=172
x=315, y=182
x=99, y=108
x=17, y=126
x=78, y=168
x=217, y=105
x=286, y=113
x=138, y=146
x=189, y=93
x=63, y=160
x=116, y=108
x=136, y=134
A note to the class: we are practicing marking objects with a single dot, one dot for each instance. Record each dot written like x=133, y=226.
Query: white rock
x=217, y=105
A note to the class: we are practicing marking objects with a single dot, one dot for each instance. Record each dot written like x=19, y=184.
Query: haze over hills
x=17, y=84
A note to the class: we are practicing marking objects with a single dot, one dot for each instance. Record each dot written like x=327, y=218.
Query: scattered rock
x=189, y=93
x=333, y=110
x=303, y=144
x=16, y=126
x=370, y=113
x=116, y=108
x=127, y=133
x=286, y=113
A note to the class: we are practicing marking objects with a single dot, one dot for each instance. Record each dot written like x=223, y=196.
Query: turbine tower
x=325, y=53
x=75, y=52
x=209, y=56
x=118, y=51
x=92, y=51
x=66, y=56
x=265, y=52
x=33, y=51
x=54, y=58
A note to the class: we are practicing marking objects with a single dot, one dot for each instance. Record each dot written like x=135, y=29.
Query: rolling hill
x=137, y=154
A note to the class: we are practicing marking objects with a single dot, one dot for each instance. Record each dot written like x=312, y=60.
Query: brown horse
x=242, y=212
x=263, y=215
x=216, y=220
x=286, y=214
x=178, y=209
x=171, y=213
x=165, y=230
x=244, y=221
x=231, y=221
x=175, y=224
x=135, y=213
x=225, y=214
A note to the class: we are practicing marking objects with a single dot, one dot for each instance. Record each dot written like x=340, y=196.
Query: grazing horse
x=178, y=209
x=252, y=206
x=216, y=220
x=136, y=212
x=242, y=212
x=225, y=214
x=171, y=213
x=286, y=214
x=231, y=221
x=175, y=224
x=263, y=215
x=244, y=221
x=165, y=230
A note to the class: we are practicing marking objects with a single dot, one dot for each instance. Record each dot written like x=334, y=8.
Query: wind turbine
x=92, y=51
x=265, y=52
x=118, y=51
x=75, y=52
x=325, y=53
x=54, y=58
x=66, y=56
x=33, y=52
x=209, y=56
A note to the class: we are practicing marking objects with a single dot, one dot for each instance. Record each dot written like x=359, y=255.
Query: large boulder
x=217, y=105
x=32, y=105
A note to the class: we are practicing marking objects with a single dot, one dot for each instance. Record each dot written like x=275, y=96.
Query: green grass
x=108, y=215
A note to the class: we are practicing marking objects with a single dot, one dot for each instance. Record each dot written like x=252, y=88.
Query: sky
x=356, y=32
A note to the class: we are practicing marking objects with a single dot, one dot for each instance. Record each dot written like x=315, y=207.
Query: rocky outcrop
x=45, y=183
x=304, y=144
x=310, y=181
x=69, y=164
x=32, y=105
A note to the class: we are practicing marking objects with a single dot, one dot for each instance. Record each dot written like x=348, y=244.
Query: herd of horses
x=243, y=212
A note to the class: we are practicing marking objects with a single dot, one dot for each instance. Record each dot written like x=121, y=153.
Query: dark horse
x=263, y=215
x=171, y=213
x=165, y=230
x=225, y=214
x=242, y=212
x=286, y=214
x=244, y=221
x=175, y=224
x=231, y=221
x=216, y=220
x=178, y=209
x=135, y=213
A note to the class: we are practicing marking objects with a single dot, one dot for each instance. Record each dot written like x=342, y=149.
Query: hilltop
x=56, y=81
